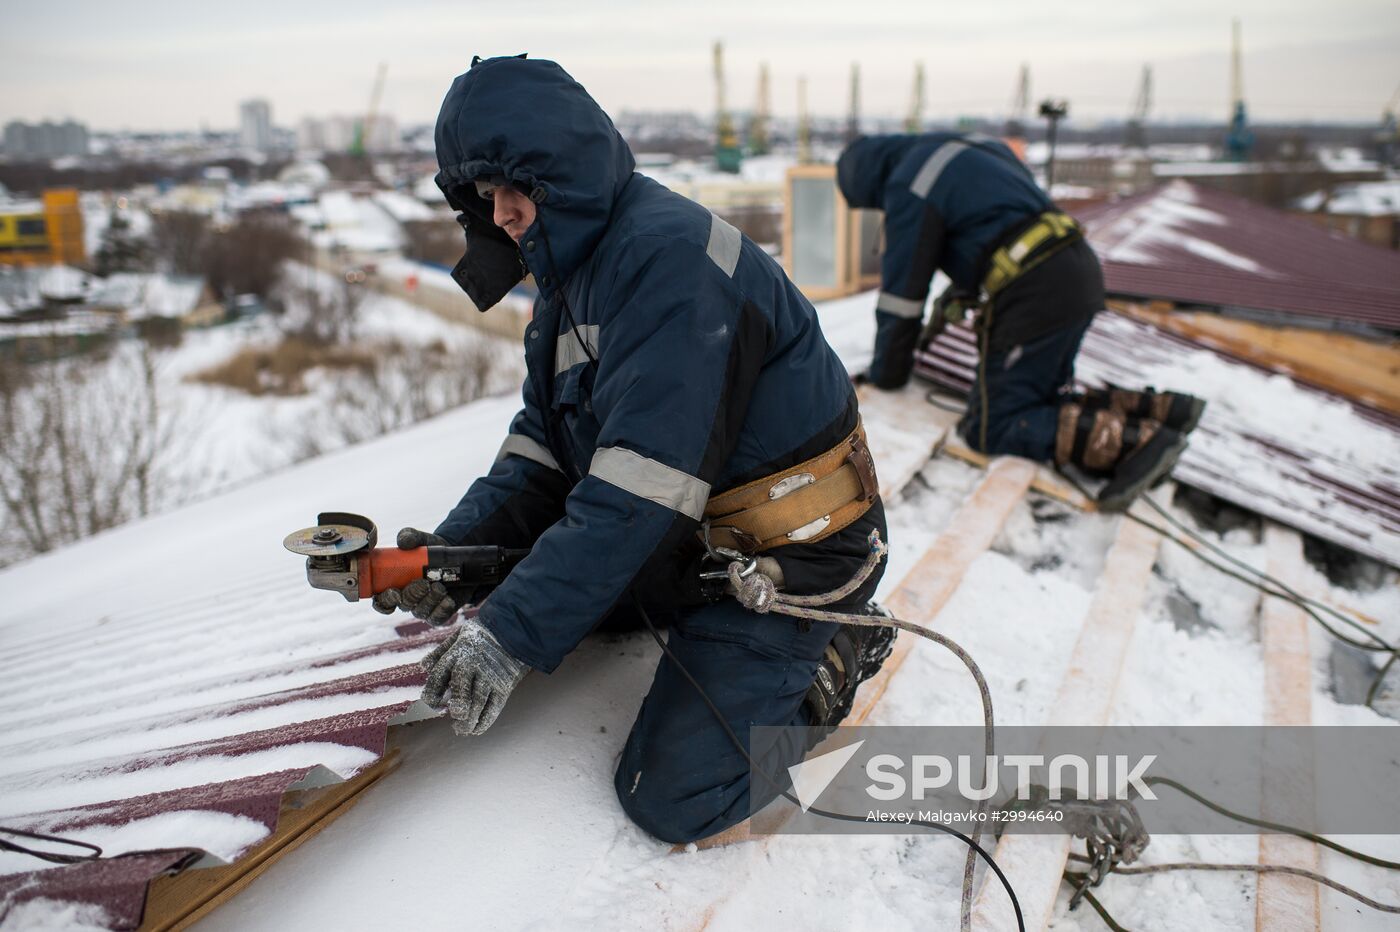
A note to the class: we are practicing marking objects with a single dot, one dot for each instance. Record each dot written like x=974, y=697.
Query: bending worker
x=967, y=206
x=680, y=395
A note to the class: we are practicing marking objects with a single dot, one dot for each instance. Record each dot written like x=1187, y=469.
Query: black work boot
x=854, y=655
x=1135, y=453
x=1177, y=410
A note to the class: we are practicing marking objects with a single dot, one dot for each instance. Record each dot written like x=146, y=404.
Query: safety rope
x=757, y=592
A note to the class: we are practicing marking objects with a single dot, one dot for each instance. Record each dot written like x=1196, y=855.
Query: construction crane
x=914, y=122
x=1135, y=136
x=1239, y=140
x=853, y=117
x=1388, y=138
x=359, y=146
x=804, y=124
x=758, y=123
x=1020, y=106
x=728, y=158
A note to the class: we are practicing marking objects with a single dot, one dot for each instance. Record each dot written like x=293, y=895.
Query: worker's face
x=513, y=211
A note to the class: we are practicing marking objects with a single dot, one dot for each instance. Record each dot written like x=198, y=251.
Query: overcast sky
x=140, y=64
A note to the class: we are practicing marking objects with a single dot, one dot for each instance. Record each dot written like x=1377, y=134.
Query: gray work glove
x=472, y=675
x=430, y=601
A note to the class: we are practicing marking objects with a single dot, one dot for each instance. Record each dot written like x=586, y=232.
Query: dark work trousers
x=1015, y=400
x=680, y=777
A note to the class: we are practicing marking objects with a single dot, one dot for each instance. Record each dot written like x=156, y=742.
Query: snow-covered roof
x=143, y=294
x=1361, y=198
x=402, y=207
x=64, y=283
x=359, y=223
x=195, y=698
x=307, y=172
x=1198, y=246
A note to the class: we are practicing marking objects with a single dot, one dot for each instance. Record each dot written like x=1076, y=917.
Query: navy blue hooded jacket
x=950, y=200
x=668, y=357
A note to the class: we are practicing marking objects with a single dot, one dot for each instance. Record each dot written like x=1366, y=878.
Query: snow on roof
x=1198, y=246
x=1304, y=457
x=175, y=740
x=358, y=223
x=63, y=282
x=402, y=207
x=1361, y=198
x=143, y=294
x=201, y=678
x=308, y=173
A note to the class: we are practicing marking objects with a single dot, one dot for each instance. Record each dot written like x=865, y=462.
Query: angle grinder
x=341, y=556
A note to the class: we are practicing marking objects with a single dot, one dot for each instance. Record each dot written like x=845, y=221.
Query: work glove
x=471, y=675
x=433, y=602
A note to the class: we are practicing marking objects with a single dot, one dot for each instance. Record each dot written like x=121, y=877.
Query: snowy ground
x=520, y=829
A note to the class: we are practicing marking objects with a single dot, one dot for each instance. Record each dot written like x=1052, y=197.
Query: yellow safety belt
x=1009, y=261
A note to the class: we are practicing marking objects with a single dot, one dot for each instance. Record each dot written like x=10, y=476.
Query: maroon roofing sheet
x=1301, y=456
x=1200, y=246
x=174, y=735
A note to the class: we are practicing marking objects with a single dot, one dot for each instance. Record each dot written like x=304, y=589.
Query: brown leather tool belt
x=801, y=504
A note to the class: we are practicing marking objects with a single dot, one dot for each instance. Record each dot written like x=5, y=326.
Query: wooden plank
x=919, y=598
x=1289, y=904
x=1047, y=482
x=1366, y=370
x=174, y=903
x=903, y=431
x=1035, y=863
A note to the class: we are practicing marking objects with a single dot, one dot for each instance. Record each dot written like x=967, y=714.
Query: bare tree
x=180, y=238
x=438, y=241
x=247, y=257
x=407, y=384
x=325, y=311
x=81, y=449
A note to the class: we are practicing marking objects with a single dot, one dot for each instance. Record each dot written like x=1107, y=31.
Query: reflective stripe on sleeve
x=569, y=351
x=724, y=246
x=646, y=478
x=899, y=307
x=928, y=175
x=522, y=446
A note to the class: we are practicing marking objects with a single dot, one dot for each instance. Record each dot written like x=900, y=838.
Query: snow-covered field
x=520, y=829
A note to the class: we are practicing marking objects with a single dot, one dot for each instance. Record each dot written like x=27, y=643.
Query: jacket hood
x=533, y=123
x=865, y=166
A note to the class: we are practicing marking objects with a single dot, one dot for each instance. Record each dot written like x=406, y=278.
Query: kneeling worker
x=968, y=206
x=678, y=386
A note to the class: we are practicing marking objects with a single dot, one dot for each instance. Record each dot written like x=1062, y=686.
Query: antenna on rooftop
x=1136, y=135
x=758, y=123
x=853, y=118
x=1240, y=139
x=727, y=154
x=1020, y=106
x=914, y=122
x=804, y=123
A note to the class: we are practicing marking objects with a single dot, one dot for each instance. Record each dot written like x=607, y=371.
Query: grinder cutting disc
x=327, y=540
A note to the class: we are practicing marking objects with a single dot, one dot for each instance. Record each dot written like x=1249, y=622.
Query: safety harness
x=802, y=504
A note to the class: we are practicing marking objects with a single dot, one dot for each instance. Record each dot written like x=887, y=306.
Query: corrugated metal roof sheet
x=1285, y=467
x=119, y=735
x=1199, y=246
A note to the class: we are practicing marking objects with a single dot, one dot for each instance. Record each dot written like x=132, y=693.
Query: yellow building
x=44, y=232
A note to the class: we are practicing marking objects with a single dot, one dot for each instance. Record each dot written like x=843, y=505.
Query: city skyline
x=152, y=66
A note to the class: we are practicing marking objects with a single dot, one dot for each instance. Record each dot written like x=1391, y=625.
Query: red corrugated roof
x=259, y=727
x=1289, y=469
x=1199, y=246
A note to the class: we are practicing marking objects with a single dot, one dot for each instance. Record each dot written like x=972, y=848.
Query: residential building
x=255, y=124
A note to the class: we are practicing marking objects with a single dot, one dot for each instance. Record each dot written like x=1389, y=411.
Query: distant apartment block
x=255, y=125
x=339, y=133
x=45, y=140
